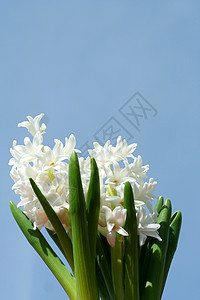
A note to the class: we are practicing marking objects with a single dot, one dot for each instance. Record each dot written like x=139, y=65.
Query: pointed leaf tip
x=55, y=221
x=41, y=246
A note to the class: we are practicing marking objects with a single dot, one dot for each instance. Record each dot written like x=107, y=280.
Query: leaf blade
x=175, y=227
x=41, y=246
x=131, y=247
x=55, y=221
x=152, y=290
x=92, y=208
x=84, y=272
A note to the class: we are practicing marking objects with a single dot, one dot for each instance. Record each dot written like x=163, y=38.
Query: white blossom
x=137, y=169
x=114, y=220
x=143, y=193
x=108, y=154
x=123, y=150
x=147, y=225
x=118, y=175
x=33, y=125
x=49, y=168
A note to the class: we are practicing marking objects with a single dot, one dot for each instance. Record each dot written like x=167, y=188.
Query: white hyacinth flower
x=137, y=169
x=115, y=220
x=49, y=169
x=143, y=193
x=147, y=225
x=118, y=175
x=33, y=125
x=102, y=155
x=109, y=154
x=123, y=150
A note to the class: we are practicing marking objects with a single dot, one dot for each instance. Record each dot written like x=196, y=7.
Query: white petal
x=142, y=239
x=110, y=226
x=107, y=211
x=121, y=231
x=111, y=238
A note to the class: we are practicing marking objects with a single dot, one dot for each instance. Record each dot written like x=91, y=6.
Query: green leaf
x=103, y=260
x=154, y=279
x=131, y=247
x=145, y=254
x=39, y=243
x=174, y=231
x=57, y=225
x=159, y=204
x=103, y=292
x=56, y=240
x=92, y=208
x=145, y=249
x=84, y=272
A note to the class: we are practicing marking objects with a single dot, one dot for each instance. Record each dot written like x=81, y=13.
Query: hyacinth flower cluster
x=99, y=213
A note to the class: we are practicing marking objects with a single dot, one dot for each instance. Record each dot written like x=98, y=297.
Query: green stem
x=117, y=268
x=111, y=191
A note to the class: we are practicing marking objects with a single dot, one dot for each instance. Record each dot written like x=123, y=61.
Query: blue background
x=79, y=63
